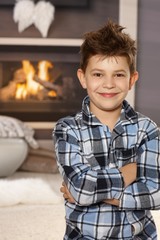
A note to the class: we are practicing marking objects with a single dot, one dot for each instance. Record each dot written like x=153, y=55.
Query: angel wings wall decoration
x=27, y=12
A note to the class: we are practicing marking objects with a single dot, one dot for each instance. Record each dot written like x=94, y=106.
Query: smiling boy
x=107, y=80
x=108, y=154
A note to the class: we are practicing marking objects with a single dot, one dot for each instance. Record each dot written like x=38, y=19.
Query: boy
x=108, y=154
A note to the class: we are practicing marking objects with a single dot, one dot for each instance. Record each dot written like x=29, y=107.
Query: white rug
x=30, y=188
x=32, y=220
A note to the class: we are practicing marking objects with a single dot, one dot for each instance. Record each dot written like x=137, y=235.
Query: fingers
x=113, y=201
x=62, y=189
x=63, y=184
x=66, y=194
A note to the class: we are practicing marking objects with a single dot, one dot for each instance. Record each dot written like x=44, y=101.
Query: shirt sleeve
x=145, y=192
x=87, y=185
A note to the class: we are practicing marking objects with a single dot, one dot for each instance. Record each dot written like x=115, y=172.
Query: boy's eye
x=120, y=75
x=97, y=75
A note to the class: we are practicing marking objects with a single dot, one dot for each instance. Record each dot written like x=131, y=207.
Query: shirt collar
x=88, y=117
x=128, y=115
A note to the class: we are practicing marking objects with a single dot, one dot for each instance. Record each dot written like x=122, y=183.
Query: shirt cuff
x=117, y=185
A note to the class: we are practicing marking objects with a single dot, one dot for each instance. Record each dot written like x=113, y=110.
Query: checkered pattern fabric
x=89, y=156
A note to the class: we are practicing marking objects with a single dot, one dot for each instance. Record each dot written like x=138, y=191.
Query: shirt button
x=112, y=165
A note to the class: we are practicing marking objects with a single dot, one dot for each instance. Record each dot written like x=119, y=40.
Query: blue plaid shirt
x=89, y=156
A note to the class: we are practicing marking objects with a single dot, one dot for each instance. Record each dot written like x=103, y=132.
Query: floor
x=38, y=222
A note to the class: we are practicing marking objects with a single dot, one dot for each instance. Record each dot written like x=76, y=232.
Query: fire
x=43, y=67
x=21, y=92
x=31, y=88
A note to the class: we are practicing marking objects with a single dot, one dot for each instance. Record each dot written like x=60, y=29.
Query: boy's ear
x=133, y=79
x=81, y=77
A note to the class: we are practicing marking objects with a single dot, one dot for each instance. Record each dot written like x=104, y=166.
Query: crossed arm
x=136, y=192
x=129, y=173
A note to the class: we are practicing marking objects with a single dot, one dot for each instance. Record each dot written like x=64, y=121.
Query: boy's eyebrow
x=102, y=70
x=97, y=69
x=120, y=70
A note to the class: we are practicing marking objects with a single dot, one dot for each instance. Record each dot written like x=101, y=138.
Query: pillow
x=13, y=128
x=41, y=161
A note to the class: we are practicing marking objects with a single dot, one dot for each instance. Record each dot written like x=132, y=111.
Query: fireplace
x=58, y=92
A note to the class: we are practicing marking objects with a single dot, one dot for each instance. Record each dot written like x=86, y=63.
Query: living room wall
x=69, y=22
x=147, y=89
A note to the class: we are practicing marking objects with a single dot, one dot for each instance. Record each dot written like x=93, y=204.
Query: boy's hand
x=113, y=201
x=129, y=173
x=66, y=194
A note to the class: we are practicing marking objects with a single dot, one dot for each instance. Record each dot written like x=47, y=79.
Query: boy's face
x=107, y=81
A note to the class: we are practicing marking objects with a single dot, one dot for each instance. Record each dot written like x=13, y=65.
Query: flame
x=52, y=93
x=21, y=92
x=31, y=87
x=43, y=67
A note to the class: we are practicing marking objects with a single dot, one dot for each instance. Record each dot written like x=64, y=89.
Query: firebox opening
x=39, y=91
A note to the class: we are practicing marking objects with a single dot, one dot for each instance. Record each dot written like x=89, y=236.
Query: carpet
x=30, y=188
x=37, y=217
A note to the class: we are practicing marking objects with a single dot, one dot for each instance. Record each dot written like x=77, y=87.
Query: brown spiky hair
x=108, y=41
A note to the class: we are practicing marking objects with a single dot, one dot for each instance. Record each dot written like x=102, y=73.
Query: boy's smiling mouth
x=108, y=95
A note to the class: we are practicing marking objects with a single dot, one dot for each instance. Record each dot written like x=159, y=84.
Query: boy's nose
x=108, y=82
